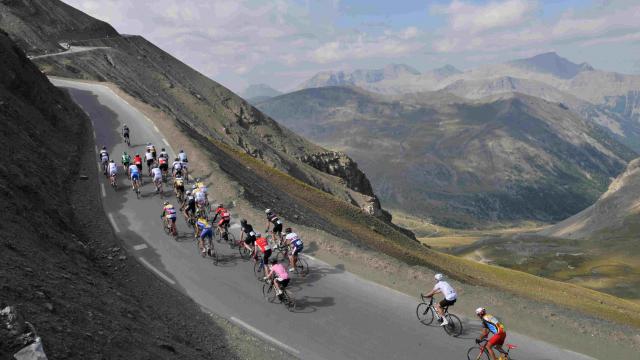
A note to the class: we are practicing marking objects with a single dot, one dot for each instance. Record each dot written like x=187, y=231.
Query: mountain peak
x=398, y=69
x=260, y=91
x=553, y=64
x=446, y=71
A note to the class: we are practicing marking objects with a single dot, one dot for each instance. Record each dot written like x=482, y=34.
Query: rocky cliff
x=342, y=166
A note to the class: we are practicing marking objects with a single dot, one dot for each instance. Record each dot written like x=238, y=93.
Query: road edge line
x=158, y=272
x=113, y=222
x=264, y=335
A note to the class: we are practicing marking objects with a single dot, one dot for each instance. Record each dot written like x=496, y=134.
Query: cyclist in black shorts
x=247, y=235
x=272, y=218
x=189, y=205
x=125, y=133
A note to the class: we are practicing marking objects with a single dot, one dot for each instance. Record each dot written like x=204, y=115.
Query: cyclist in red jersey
x=262, y=244
x=137, y=161
x=225, y=218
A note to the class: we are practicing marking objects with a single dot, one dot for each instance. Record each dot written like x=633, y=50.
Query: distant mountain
x=461, y=162
x=445, y=71
x=257, y=92
x=359, y=77
x=553, y=64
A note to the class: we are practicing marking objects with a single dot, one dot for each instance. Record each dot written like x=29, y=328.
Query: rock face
x=460, y=162
x=342, y=166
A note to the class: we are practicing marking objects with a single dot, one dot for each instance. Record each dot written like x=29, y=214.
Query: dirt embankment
x=60, y=264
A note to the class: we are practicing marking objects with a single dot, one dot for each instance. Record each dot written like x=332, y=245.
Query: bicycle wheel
x=232, y=239
x=289, y=301
x=425, y=313
x=268, y=292
x=474, y=353
x=281, y=257
x=302, y=268
x=244, y=252
x=454, y=327
x=258, y=270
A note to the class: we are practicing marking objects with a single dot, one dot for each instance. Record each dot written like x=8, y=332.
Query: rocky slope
x=61, y=266
x=39, y=26
x=462, y=162
x=155, y=77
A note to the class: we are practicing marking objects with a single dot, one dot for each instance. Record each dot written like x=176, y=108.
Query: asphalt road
x=339, y=315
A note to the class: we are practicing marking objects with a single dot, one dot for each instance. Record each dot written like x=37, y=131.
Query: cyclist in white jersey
x=157, y=178
x=449, y=293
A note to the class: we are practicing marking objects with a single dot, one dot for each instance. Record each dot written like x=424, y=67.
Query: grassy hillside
x=459, y=162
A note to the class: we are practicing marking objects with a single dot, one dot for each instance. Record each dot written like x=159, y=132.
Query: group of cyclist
x=490, y=324
x=193, y=204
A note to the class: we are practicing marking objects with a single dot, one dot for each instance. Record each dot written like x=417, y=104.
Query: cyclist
x=203, y=230
x=202, y=188
x=125, y=133
x=225, y=218
x=137, y=160
x=189, y=206
x=182, y=156
x=113, y=171
x=152, y=150
x=178, y=187
x=163, y=161
x=103, y=157
x=134, y=175
x=157, y=178
x=262, y=244
x=247, y=235
x=280, y=277
x=293, y=241
x=176, y=168
x=491, y=325
x=201, y=197
x=277, y=225
x=126, y=161
x=148, y=156
x=185, y=170
x=169, y=216
x=449, y=293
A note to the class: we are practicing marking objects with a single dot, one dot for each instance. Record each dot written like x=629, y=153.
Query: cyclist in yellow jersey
x=492, y=325
x=204, y=230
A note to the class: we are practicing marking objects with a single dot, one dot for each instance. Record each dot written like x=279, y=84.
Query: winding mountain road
x=340, y=315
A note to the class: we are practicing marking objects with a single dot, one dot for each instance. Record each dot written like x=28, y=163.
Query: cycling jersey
x=126, y=159
x=280, y=271
x=248, y=229
x=178, y=182
x=203, y=224
x=164, y=155
x=273, y=219
x=133, y=169
x=113, y=168
x=103, y=154
x=177, y=165
x=157, y=173
x=493, y=324
x=151, y=148
x=294, y=240
x=263, y=244
x=137, y=160
x=200, y=197
x=169, y=211
x=224, y=214
x=447, y=290
x=183, y=157
x=125, y=131
x=202, y=187
x=148, y=156
x=162, y=160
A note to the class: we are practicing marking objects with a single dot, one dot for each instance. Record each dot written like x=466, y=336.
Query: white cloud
x=473, y=19
x=361, y=47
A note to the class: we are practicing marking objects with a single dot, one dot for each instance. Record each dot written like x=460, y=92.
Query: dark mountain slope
x=38, y=26
x=461, y=162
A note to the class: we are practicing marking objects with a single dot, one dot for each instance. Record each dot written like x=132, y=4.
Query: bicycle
x=126, y=140
x=269, y=293
x=244, y=252
x=426, y=312
x=210, y=251
x=226, y=235
x=114, y=182
x=480, y=351
x=302, y=267
x=170, y=229
x=259, y=268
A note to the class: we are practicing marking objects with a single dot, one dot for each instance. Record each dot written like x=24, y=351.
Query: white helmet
x=188, y=192
x=481, y=311
x=438, y=277
x=267, y=211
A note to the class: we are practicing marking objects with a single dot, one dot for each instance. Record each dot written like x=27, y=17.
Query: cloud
x=363, y=46
x=474, y=19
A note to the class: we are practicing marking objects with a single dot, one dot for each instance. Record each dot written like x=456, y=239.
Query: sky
x=284, y=42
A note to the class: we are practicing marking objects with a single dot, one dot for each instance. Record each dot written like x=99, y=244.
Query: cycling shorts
x=149, y=162
x=445, y=302
x=180, y=188
x=164, y=167
x=266, y=255
x=297, y=250
x=139, y=166
x=135, y=176
x=113, y=172
x=497, y=339
x=223, y=222
x=277, y=228
x=206, y=233
x=172, y=218
x=157, y=178
x=250, y=240
x=282, y=282
x=126, y=135
x=126, y=164
x=191, y=207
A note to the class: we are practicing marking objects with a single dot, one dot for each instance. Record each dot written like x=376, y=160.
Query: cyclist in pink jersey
x=280, y=275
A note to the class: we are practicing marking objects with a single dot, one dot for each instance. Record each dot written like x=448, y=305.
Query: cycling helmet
x=111, y=160
x=267, y=211
x=481, y=311
x=124, y=153
x=258, y=234
x=137, y=154
x=287, y=230
x=148, y=144
x=166, y=203
x=104, y=148
x=220, y=205
x=181, y=150
x=243, y=221
x=438, y=277
x=194, y=187
x=162, y=149
x=188, y=192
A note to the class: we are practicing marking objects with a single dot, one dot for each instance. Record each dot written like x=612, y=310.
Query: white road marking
x=99, y=167
x=96, y=146
x=163, y=276
x=140, y=247
x=113, y=223
x=155, y=127
x=94, y=137
x=104, y=192
x=264, y=336
x=165, y=141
